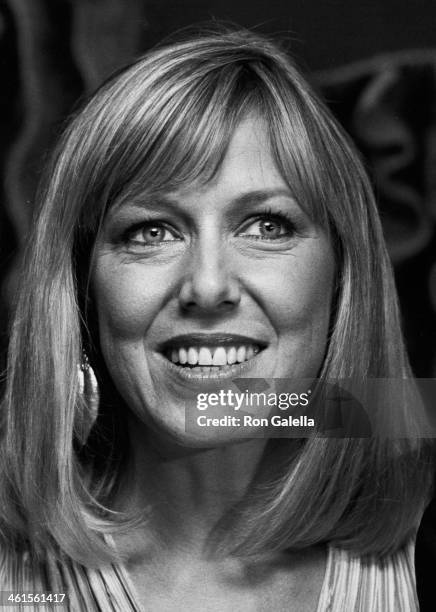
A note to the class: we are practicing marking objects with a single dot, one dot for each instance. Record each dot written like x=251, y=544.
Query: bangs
x=176, y=142
x=172, y=132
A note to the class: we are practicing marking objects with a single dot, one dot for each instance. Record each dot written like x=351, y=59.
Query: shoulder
x=85, y=588
x=425, y=558
x=23, y=571
x=18, y=572
x=370, y=583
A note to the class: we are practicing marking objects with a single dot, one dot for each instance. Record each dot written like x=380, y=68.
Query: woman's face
x=196, y=287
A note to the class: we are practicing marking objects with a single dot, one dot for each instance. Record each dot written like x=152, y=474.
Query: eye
x=269, y=227
x=151, y=234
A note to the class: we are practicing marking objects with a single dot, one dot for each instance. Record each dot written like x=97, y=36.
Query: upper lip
x=213, y=339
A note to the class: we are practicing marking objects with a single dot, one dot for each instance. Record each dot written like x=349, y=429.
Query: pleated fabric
x=354, y=584
x=351, y=584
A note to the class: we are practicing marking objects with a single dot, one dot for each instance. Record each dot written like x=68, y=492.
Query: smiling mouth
x=211, y=356
x=211, y=352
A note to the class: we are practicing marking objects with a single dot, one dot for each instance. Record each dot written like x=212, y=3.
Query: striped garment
x=350, y=585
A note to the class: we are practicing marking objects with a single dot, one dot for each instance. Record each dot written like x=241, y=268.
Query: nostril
x=209, y=294
x=208, y=307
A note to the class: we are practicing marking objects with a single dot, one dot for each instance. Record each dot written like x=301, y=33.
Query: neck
x=186, y=492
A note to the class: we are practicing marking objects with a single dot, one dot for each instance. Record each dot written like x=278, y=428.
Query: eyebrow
x=260, y=195
x=257, y=196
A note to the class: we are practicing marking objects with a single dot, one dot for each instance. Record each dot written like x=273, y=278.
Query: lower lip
x=200, y=373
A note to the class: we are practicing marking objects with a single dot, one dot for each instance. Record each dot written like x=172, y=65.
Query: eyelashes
x=266, y=226
x=269, y=226
x=150, y=233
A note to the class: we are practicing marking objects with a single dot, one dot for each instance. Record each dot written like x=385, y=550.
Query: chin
x=180, y=434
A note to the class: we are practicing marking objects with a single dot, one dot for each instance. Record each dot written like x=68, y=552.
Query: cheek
x=309, y=296
x=299, y=293
x=127, y=300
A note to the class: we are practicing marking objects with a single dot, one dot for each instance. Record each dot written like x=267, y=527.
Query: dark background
x=374, y=62
x=326, y=33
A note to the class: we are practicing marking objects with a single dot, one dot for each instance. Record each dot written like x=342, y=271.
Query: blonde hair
x=163, y=122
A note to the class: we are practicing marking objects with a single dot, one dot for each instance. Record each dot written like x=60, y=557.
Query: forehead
x=248, y=166
x=249, y=151
x=242, y=159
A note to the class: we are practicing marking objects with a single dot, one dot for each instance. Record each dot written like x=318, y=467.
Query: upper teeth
x=218, y=356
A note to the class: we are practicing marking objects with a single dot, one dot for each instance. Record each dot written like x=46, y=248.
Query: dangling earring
x=88, y=389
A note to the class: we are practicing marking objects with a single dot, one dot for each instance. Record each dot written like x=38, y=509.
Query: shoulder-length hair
x=159, y=124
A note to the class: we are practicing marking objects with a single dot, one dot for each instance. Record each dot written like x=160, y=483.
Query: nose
x=209, y=286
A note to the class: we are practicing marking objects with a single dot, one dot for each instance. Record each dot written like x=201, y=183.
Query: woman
x=204, y=219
